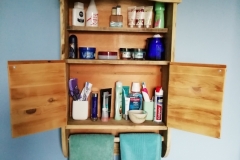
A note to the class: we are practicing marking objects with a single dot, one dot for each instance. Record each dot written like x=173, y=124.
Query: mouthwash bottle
x=135, y=97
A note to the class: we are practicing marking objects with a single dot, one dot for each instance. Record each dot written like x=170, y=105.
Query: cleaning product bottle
x=92, y=15
x=135, y=97
x=78, y=14
x=118, y=101
x=158, y=105
x=159, y=16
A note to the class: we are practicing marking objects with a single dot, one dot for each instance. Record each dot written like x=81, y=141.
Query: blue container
x=94, y=107
x=155, y=49
x=87, y=53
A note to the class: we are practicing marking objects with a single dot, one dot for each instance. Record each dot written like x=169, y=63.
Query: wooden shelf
x=113, y=124
x=125, y=62
x=109, y=29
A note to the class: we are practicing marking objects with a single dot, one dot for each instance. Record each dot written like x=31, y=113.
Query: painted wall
x=207, y=32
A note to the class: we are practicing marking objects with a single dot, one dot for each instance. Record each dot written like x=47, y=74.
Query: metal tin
x=94, y=107
x=138, y=53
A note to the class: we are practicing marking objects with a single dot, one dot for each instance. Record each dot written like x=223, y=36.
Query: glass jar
x=125, y=53
x=138, y=54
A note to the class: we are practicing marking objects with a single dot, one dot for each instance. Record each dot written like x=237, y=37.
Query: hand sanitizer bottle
x=92, y=15
x=78, y=14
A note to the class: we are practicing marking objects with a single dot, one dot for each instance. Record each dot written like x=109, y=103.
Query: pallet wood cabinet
x=39, y=99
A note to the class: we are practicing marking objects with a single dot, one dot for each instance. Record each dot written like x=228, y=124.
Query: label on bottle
x=139, y=17
x=88, y=55
x=94, y=108
x=134, y=103
x=81, y=17
x=71, y=51
x=158, y=109
x=92, y=20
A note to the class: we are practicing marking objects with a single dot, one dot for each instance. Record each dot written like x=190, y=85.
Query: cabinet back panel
x=111, y=41
x=104, y=8
x=105, y=76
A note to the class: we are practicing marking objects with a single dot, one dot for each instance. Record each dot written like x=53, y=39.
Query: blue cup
x=155, y=49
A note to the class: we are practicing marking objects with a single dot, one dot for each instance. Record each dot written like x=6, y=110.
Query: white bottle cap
x=118, y=83
x=157, y=36
x=78, y=5
x=135, y=87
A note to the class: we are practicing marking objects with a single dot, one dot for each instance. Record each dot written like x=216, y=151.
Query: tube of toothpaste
x=86, y=91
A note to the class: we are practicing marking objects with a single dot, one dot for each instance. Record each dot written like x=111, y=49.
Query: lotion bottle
x=118, y=101
x=78, y=14
x=92, y=15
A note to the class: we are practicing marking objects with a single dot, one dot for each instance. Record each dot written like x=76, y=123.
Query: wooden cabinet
x=39, y=97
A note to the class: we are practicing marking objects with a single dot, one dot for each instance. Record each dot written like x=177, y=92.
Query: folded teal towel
x=140, y=146
x=91, y=147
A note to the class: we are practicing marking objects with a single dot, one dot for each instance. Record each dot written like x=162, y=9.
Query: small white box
x=80, y=110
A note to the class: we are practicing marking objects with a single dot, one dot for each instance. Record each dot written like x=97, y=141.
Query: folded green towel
x=91, y=147
x=140, y=146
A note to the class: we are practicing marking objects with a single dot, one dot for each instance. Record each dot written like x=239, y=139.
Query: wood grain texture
x=114, y=125
x=170, y=37
x=64, y=139
x=40, y=87
x=114, y=29
x=63, y=28
x=105, y=76
x=121, y=62
x=195, y=96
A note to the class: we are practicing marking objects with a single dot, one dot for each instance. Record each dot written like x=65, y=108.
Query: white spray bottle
x=92, y=15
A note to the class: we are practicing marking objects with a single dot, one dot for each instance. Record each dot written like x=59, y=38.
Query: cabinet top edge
x=168, y=1
x=198, y=64
x=34, y=61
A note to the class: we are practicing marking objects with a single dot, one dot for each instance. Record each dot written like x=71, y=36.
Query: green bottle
x=118, y=101
x=159, y=16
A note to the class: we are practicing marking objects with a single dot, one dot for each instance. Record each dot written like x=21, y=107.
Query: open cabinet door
x=195, y=96
x=38, y=96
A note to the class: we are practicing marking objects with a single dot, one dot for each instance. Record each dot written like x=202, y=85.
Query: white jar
x=78, y=14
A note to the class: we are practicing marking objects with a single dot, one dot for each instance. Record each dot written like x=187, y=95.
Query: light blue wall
x=207, y=32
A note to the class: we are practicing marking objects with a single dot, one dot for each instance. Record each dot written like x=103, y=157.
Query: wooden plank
x=170, y=23
x=63, y=28
x=168, y=1
x=114, y=29
x=195, y=98
x=114, y=125
x=37, y=96
x=123, y=62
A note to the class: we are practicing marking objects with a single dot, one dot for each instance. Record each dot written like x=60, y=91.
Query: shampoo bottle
x=92, y=15
x=118, y=101
x=135, y=97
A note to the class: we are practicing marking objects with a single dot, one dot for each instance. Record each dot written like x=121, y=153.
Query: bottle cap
x=135, y=87
x=159, y=6
x=78, y=5
x=118, y=84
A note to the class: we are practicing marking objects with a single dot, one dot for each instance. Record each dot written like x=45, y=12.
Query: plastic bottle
x=158, y=105
x=135, y=97
x=78, y=14
x=94, y=107
x=92, y=15
x=159, y=16
x=118, y=101
x=73, y=47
